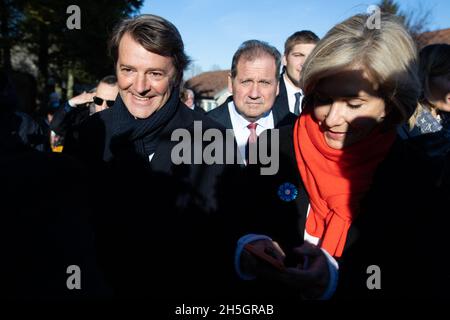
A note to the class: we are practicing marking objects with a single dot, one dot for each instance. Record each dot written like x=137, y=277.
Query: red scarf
x=335, y=180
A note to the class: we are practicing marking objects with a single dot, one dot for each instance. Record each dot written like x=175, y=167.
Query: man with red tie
x=253, y=82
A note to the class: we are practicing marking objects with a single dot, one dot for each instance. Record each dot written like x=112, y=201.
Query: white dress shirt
x=291, y=91
x=240, y=130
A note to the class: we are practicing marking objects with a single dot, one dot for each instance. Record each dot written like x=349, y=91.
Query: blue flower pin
x=287, y=192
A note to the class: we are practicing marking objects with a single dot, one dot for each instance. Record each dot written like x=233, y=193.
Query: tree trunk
x=69, y=83
x=6, y=47
x=43, y=67
x=43, y=52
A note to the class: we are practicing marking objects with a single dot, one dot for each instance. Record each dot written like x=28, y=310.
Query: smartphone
x=259, y=253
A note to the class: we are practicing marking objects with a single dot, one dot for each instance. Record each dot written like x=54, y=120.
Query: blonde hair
x=388, y=54
x=434, y=60
x=252, y=49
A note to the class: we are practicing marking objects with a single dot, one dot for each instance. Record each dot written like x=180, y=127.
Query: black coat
x=160, y=227
x=19, y=132
x=64, y=121
x=45, y=228
x=281, y=104
x=199, y=109
x=401, y=227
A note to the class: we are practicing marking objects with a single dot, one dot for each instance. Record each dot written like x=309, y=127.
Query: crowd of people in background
x=363, y=125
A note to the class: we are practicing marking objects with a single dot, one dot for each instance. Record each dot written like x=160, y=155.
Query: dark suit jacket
x=222, y=116
x=160, y=226
x=196, y=109
x=66, y=118
x=199, y=109
x=281, y=104
x=18, y=132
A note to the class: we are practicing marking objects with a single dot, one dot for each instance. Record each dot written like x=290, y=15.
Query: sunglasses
x=99, y=101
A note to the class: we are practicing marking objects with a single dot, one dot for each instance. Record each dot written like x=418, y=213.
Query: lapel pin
x=287, y=192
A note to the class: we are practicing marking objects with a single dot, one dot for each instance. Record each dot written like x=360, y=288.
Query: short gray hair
x=252, y=49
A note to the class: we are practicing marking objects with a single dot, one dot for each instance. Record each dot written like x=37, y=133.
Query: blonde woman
x=335, y=207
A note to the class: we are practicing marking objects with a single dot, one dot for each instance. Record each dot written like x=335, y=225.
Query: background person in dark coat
x=428, y=129
x=187, y=96
x=77, y=109
x=433, y=110
x=45, y=225
x=18, y=130
x=158, y=222
x=296, y=49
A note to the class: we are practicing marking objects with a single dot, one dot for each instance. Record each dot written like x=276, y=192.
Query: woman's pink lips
x=335, y=135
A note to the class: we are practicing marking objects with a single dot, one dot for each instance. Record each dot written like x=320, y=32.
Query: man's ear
x=230, y=83
x=284, y=60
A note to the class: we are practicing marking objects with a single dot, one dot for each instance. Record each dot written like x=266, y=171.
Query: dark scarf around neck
x=143, y=134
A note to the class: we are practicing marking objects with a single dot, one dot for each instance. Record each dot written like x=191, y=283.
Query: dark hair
x=8, y=94
x=111, y=80
x=4, y=82
x=184, y=94
x=434, y=60
x=300, y=37
x=252, y=49
x=156, y=35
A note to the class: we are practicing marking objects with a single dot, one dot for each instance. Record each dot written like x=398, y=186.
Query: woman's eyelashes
x=321, y=99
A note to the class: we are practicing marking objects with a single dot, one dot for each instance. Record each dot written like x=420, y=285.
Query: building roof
x=208, y=84
x=438, y=36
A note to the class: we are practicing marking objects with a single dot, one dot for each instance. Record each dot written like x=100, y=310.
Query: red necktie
x=251, y=139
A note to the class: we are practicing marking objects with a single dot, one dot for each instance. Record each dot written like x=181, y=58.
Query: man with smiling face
x=154, y=219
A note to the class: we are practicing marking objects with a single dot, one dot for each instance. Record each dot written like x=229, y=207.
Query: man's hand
x=253, y=265
x=85, y=97
x=312, y=276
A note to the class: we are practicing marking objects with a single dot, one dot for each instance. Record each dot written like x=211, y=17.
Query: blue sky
x=212, y=30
